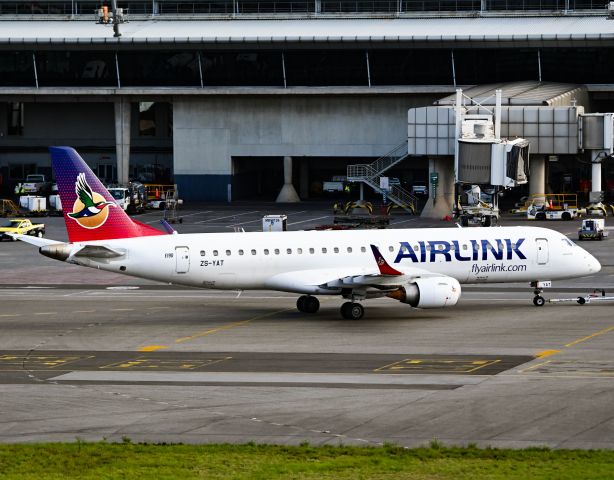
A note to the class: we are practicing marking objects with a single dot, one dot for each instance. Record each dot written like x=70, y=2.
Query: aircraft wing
x=381, y=276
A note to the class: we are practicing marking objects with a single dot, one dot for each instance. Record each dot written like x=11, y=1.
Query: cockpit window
x=568, y=242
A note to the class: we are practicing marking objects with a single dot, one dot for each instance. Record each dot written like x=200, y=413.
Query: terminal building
x=213, y=95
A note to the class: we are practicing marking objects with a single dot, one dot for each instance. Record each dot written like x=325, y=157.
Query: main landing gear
x=349, y=310
x=352, y=311
x=307, y=304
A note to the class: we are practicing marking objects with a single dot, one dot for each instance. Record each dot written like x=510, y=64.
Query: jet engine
x=430, y=292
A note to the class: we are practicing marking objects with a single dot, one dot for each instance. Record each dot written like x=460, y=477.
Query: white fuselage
x=302, y=261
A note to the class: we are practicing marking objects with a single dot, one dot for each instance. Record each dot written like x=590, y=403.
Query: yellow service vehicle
x=20, y=226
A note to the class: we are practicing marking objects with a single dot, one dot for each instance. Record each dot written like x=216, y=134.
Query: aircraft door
x=182, y=258
x=542, y=251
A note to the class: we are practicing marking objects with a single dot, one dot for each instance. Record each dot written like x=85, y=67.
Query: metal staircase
x=371, y=173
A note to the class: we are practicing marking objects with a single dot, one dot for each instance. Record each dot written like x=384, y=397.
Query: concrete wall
x=209, y=132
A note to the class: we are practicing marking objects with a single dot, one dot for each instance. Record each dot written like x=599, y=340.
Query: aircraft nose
x=593, y=264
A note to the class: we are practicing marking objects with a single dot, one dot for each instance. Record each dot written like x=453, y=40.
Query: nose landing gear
x=538, y=300
x=539, y=286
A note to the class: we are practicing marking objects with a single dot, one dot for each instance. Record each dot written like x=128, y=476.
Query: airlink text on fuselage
x=434, y=250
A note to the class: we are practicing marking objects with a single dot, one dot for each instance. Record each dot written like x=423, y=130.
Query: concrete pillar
x=304, y=179
x=288, y=193
x=537, y=175
x=596, y=171
x=122, y=139
x=443, y=202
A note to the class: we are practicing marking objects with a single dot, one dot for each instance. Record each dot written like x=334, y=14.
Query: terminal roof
x=522, y=93
x=588, y=29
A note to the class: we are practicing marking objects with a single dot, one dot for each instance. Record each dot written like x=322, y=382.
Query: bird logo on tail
x=90, y=208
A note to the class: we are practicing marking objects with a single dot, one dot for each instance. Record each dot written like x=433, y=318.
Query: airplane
x=423, y=268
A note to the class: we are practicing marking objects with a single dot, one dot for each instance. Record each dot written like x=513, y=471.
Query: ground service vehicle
x=554, y=206
x=592, y=229
x=479, y=208
x=131, y=198
x=20, y=226
x=34, y=183
x=157, y=194
x=422, y=267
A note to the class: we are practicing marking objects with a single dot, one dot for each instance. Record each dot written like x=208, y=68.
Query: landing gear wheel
x=539, y=301
x=307, y=304
x=312, y=304
x=352, y=311
x=300, y=303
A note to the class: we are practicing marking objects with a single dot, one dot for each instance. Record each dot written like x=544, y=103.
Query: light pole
x=115, y=20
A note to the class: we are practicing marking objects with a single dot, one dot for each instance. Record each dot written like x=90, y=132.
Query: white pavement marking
x=183, y=216
x=404, y=221
x=266, y=378
x=227, y=216
x=310, y=220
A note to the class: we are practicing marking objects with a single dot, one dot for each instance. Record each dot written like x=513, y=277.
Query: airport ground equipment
x=34, y=205
x=55, y=205
x=156, y=194
x=479, y=208
x=598, y=295
x=554, y=206
x=359, y=214
x=274, y=223
x=8, y=208
x=592, y=229
x=370, y=174
x=21, y=226
x=336, y=184
x=131, y=197
x=171, y=202
x=34, y=184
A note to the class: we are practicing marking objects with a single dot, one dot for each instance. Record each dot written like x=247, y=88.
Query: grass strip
x=127, y=460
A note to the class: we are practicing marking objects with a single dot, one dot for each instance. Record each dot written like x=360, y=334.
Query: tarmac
x=91, y=355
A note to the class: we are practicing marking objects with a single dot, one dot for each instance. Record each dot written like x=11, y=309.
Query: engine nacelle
x=430, y=292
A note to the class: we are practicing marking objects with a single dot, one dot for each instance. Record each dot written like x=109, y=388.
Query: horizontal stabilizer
x=36, y=241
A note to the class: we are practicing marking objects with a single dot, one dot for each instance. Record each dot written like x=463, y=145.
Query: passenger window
x=363, y=249
x=266, y=251
x=336, y=250
x=289, y=251
x=253, y=252
x=299, y=251
x=240, y=252
x=215, y=253
x=391, y=249
x=228, y=253
x=323, y=249
x=311, y=250
x=415, y=248
x=277, y=251
x=349, y=249
x=202, y=253
x=464, y=246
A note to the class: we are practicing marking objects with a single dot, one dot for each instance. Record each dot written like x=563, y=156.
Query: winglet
x=383, y=266
x=167, y=226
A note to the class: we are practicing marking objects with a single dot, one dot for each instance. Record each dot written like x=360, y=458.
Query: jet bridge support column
x=288, y=193
x=537, y=175
x=122, y=139
x=441, y=201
